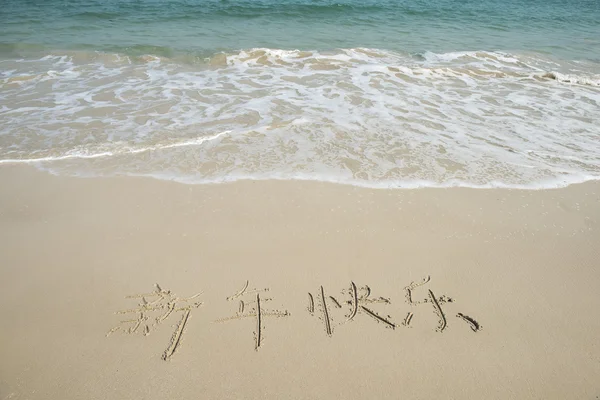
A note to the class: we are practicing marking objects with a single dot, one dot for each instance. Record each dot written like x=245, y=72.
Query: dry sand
x=524, y=264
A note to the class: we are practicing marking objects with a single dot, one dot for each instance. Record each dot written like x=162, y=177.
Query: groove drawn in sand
x=409, y=289
x=440, y=313
x=240, y=293
x=364, y=298
x=407, y=319
x=335, y=302
x=358, y=300
x=153, y=309
x=378, y=318
x=326, y=318
x=156, y=307
x=245, y=291
x=354, y=299
x=474, y=325
x=176, y=338
x=256, y=311
x=437, y=303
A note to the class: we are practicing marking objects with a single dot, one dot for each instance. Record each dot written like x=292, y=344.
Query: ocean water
x=377, y=93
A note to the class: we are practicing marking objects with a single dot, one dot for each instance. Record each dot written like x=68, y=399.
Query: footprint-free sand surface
x=132, y=288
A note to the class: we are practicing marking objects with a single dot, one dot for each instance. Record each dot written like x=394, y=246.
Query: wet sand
x=508, y=308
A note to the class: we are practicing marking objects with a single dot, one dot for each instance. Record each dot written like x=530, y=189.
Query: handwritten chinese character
x=254, y=309
x=437, y=303
x=153, y=309
x=359, y=302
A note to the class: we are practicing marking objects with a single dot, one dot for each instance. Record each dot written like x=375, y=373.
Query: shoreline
x=522, y=264
x=551, y=184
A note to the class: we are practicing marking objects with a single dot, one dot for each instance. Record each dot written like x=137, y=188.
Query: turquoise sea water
x=568, y=29
x=375, y=92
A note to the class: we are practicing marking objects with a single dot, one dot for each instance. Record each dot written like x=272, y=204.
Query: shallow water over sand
x=144, y=89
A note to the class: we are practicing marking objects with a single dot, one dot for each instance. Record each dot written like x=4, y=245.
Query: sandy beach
x=303, y=290
x=299, y=199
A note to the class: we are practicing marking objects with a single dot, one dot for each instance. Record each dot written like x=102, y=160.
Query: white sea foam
x=593, y=80
x=85, y=153
x=358, y=116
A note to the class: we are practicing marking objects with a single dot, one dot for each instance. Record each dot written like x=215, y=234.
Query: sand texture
x=133, y=288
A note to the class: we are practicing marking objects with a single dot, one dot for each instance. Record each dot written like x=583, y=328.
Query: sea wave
x=483, y=64
x=592, y=80
x=102, y=151
x=361, y=116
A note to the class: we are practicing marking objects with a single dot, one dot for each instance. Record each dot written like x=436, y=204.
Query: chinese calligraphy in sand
x=153, y=309
x=254, y=309
x=358, y=302
x=436, y=302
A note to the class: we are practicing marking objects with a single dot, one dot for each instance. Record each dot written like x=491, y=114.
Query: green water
x=569, y=29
